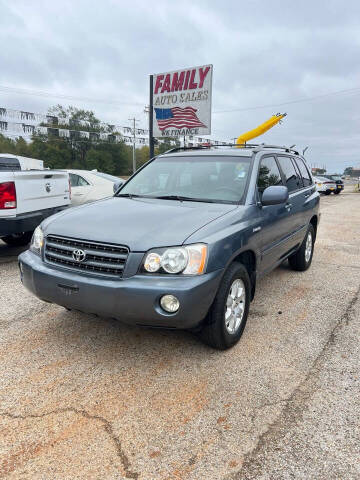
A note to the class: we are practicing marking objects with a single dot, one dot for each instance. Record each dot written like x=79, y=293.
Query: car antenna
x=305, y=150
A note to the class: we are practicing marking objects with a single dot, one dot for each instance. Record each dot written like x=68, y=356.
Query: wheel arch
x=248, y=259
x=314, y=222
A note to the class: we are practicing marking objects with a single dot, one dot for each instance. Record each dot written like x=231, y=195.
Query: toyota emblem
x=79, y=255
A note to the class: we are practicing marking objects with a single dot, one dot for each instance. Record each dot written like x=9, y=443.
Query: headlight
x=174, y=260
x=152, y=262
x=189, y=260
x=37, y=241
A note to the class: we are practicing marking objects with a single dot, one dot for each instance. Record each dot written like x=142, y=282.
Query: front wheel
x=227, y=316
x=301, y=260
x=328, y=192
x=18, y=239
x=337, y=192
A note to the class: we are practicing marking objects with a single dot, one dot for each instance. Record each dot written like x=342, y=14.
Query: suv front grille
x=100, y=258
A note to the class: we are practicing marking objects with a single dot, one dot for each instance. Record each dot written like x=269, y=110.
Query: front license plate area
x=68, y=289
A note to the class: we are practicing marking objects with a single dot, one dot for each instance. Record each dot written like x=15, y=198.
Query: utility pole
x=134, y=142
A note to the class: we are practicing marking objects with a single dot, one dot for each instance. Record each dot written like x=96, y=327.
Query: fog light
x=170, y=303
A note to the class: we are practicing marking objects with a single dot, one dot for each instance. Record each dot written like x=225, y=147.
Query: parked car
x=88, y=186
x=325, y=185
x=27, y=197
x=183, y=242
x=338, y=181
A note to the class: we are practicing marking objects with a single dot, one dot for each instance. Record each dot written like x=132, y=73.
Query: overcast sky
x=265, y=53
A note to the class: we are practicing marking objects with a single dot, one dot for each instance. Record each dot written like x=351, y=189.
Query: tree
x=7, y=145
x=142, y=156
x=166, y=144
x=18, y=145
x=348, y=170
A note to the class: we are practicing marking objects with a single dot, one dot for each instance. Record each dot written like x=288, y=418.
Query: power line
x=355, y=91
x=23, y=91
x=38, y=93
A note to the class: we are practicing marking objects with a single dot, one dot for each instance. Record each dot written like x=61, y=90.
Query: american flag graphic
x=177, y=118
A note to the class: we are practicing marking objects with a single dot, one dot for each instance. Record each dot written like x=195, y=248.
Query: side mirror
x=116, y=186
x=274, y=195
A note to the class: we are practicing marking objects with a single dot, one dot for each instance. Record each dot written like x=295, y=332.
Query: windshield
x=335, y=177
x=213, y=179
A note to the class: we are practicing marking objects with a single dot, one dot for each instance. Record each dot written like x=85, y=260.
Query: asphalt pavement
x=83, y=397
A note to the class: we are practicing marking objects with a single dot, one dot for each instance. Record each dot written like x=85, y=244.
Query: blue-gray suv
x=182, y=243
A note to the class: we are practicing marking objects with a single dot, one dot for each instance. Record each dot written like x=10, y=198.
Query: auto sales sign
x=182, y=102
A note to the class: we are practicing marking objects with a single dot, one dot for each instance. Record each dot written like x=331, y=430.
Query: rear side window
x=269, y=174
x=304, y=172
x=82, y=182
x=77, y=181
x=292, y=180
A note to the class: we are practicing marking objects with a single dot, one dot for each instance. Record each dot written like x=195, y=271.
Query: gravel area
x=83, y=397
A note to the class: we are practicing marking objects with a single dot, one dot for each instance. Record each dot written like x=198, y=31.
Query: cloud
x=263, y=53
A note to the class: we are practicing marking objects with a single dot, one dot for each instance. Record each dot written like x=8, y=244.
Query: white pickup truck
x=27, y=196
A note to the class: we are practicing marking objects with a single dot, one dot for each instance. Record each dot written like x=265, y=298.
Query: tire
x=301, y=260
x=18, y=239
x=328, y=192
x=337, y=192
x=216, y=331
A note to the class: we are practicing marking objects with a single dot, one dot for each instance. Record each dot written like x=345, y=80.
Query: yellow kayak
x=264, y=127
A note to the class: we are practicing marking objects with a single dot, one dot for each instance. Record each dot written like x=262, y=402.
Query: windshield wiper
x=128, y=195
x=186, y=199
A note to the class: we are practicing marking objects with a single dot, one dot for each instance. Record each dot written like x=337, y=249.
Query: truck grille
x=86, y=256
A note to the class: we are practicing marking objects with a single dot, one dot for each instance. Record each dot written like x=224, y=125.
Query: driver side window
x=269, y=174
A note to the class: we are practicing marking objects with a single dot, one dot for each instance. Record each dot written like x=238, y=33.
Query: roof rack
x=280, y=147
x=257, y=147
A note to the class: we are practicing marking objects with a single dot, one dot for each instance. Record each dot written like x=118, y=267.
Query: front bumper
x=133, y=300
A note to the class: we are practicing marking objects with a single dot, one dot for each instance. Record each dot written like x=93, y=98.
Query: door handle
x=288, y=206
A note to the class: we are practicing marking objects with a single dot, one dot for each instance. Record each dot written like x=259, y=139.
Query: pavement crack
x=106, y=424
x=294, y=404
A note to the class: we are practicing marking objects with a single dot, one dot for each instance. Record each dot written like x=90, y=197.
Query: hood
x=140, y=224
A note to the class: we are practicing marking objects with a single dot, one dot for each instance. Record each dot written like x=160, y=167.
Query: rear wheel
x=301, y=260
x=227, y=317
x=18, y=239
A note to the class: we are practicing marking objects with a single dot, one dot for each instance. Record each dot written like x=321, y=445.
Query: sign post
x=180, y=103
x=151, y=123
